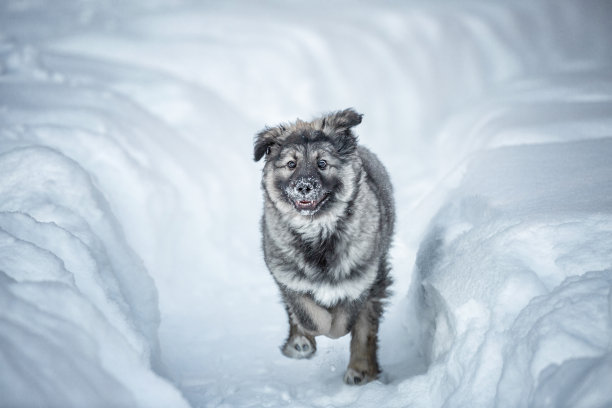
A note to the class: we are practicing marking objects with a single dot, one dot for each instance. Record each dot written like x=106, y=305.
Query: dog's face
x=309, y=166
x=306, y=171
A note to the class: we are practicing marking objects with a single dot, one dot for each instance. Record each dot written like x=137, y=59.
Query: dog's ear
x=338, y=125
x=340, y=120
x=265, y=139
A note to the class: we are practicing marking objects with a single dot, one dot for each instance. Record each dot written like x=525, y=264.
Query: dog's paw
x=355, y=377
x=299, y=346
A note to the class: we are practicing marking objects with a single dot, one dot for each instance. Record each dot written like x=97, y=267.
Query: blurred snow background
x=130, y=266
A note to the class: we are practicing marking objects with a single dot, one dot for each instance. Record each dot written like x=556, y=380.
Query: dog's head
x=310, y=165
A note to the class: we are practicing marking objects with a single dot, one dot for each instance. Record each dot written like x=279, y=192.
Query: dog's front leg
x=363, y=364
x=299, y=344
x=307, y=319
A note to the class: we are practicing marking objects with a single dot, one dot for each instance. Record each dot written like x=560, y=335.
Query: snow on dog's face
x=311, y=167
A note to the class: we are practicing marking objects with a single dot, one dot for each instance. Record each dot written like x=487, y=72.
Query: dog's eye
x=322, y=164
x=291, y=164
x=268, y=150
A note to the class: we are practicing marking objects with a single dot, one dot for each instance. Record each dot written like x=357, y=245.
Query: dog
x=327, y=226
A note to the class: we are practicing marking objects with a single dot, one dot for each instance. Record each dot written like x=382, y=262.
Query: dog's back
x=380, y=183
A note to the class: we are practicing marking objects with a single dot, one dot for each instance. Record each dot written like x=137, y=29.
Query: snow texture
x=131, y=272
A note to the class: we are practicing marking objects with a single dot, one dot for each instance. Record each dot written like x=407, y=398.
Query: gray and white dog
x=327, y=226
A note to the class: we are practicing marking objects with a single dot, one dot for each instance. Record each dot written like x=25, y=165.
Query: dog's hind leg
x=299, y=344
x=363, y=364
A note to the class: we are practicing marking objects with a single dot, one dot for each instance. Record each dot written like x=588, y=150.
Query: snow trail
x=129, y=204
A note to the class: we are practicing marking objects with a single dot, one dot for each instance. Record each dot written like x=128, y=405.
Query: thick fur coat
x=327, y=227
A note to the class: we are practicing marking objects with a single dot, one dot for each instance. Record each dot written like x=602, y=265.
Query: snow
x=131, y=272
x=79, y=312
x=516, y=271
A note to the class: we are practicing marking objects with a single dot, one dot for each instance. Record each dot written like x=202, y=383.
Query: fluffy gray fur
x=327, y=227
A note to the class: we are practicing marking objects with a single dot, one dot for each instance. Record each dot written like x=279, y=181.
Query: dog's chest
x=323, y=253
x=331, y=264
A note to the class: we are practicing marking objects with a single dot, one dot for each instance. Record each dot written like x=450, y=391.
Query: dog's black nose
x=304, y=187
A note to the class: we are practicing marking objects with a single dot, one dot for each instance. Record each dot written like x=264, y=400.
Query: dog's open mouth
x=309, y=205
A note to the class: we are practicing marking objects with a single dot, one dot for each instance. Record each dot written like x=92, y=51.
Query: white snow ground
x=130, y=267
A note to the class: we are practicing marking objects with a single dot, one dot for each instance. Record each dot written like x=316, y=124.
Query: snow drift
x=516, y=271
x=79, y=312
x=129, y=242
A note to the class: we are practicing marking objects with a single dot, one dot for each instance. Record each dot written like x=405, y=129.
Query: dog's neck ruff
x=347, y=271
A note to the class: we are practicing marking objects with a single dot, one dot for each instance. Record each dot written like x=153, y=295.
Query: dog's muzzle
x=306, y=194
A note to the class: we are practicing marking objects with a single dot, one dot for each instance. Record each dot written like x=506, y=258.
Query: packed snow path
x=130, y=265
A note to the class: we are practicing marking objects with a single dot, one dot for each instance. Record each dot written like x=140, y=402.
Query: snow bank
x=516, y=273
x=79, y=313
